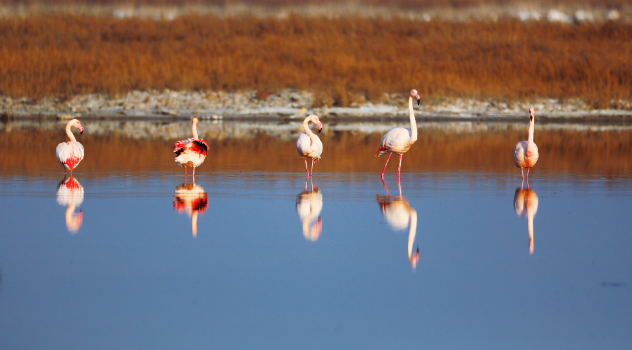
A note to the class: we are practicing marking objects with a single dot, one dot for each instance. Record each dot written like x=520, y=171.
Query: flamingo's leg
x=399, y=169
x=306, y=168
x=312, y=171
x=193, y=175
x=528, y=177
x=522, y=171
x=389, y=157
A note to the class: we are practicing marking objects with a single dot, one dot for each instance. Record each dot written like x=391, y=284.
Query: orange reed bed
x=65, y=55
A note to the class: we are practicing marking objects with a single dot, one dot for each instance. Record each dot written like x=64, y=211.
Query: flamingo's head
x=194, y=121
x=531, y=114
x=413, y=93
x=414, y=259
x=314, y=118
x=77, y=124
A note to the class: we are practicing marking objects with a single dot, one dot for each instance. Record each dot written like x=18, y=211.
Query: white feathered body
x=69, y=154
x=396, y=140
x=309, y=206
x=309, y=147
x=526, y=154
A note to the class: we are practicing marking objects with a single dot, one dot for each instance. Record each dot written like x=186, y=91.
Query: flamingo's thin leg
x=389, y=157
x=400, y=189
x=311, y=173
x=306, y=182
x=386, y=188
x=528, y=177
x=399, y=169
x=193, y=175
x=306, y=168
x=522, y=171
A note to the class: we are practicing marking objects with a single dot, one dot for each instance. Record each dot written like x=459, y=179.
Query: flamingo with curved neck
x=399, y=140
x=309, y=145
x=70, y=153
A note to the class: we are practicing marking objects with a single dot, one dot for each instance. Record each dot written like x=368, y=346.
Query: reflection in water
x=70, y=194
x=399, y=215
x=192, y=199
x=309, y=205
x=526, y=204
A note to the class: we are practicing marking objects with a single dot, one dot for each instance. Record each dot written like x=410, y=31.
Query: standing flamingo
x=70, y=153
x=526, y=204
x=526, y=153
x=309, y=205
x=191, y=152
x=399, y=215
x=399, y=140
x=192, y=199
x=70, y=195
x=308, y=144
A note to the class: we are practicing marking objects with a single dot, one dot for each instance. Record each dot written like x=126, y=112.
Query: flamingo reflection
x=526, y=204
x=192, y=199
x=399, y=215
x=70, y=194
x=309, y=205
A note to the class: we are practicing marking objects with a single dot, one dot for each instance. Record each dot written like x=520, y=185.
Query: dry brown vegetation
x=64, y=55
x=389, y=3
x=561, y=151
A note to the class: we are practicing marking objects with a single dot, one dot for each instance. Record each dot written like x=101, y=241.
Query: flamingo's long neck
x=69, y=133
x=413, y=123
x=412, y=231
x=530, y=217
x=308, y=131
x=194, y=130
x=194, y=217
x=531, y=130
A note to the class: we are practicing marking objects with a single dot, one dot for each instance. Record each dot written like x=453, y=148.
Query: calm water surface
x=136, y=259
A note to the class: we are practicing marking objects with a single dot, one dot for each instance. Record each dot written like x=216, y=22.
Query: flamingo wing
x=69, y=154
x=394, y=139
x=180, y=146
x=199, y=146
x=303, y=145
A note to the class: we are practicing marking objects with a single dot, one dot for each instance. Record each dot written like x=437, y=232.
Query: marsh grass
x=342, y=60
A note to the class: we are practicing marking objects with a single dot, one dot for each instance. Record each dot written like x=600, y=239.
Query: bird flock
x=191, y=152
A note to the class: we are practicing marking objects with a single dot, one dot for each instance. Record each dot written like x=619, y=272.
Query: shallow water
x=130, y=258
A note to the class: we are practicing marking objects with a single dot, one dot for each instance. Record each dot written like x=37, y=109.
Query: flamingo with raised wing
x=399, y=140
x=308, y=144
x=70, y=153
x=191, y=152
x=526, y=152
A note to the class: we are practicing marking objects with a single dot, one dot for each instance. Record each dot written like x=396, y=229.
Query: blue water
x=134, y=276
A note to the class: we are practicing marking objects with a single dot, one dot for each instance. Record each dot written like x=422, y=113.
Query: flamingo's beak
x=320, y=127
x=418, y=101
x=80, y=129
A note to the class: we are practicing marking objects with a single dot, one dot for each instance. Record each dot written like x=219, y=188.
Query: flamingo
x=70, y=153
x=309, y=205
x=191, y=199
x=399, y=214
x=399, y=140
x=526, y=204
x=308, y=144
x=191, y=152
x=526, y=152
x=70, y=194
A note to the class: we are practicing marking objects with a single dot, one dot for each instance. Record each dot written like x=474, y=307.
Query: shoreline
x=292, y=104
